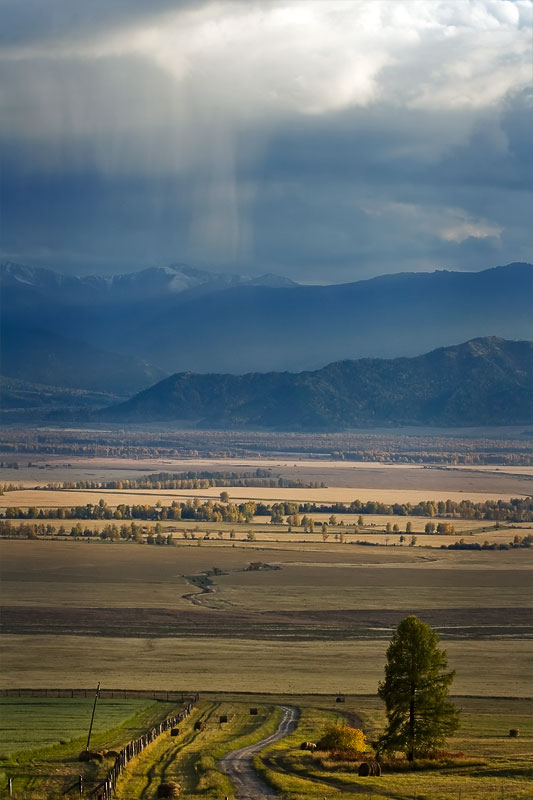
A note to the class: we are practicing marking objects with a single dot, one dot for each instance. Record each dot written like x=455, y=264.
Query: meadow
x=135, y=615
x=284, y=616
x=40, y=739
x=43, y=498
x=37, y=722
x=482, y=762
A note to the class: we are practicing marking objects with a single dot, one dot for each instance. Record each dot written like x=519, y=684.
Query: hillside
x=482, y=382
x=179, y=319
x=23, y=401
x=42, y=357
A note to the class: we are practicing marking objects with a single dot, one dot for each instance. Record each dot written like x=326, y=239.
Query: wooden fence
x=106, y=789
x=105, y=694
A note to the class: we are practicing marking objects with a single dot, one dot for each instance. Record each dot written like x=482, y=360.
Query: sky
x=323, y=140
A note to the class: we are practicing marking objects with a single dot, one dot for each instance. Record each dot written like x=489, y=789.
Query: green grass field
x=41, y=739
x=37, y=722
x=493, y=765
x=191, y=758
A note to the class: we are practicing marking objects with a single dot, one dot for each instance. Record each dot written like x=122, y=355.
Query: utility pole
x=92, y=717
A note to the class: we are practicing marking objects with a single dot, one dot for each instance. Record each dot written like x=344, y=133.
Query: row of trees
x=518, y=509
x=191, y=480
x=515, y=510
x=382, y=447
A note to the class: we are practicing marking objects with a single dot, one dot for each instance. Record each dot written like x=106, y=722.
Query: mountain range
x=175, y=319
x=486, y=381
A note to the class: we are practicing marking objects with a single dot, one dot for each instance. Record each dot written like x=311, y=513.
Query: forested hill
x=486, y=381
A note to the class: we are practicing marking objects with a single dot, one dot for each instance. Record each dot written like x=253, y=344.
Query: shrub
x=343, y=739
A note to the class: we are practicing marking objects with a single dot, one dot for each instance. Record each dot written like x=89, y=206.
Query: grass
x=260, y=630
x=494, y=765
x=232, y=664
x=40, y=771
x=191, y=758
x=36, y=722
x=80, y=497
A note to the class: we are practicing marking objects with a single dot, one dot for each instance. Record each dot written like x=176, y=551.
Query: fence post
x=10, y=786
x=80, y=784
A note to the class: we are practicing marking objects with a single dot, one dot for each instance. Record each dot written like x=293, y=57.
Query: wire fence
x=105, y=788
x=106, y=694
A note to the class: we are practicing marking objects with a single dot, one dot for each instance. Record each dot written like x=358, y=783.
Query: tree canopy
x=415, y=692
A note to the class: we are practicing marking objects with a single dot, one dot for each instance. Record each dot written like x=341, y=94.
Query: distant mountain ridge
x=487, y=381
x=151, y=282
x=177, y=318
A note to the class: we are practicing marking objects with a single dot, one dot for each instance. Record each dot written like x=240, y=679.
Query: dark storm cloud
x=326, y=140
x=49, y=20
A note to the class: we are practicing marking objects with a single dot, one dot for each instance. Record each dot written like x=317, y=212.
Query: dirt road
x=238, y=764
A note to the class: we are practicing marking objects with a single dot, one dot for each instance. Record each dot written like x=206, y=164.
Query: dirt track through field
x=238, y=764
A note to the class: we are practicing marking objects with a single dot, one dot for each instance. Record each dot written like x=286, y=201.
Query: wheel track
x=237, y=765
x=158, y=771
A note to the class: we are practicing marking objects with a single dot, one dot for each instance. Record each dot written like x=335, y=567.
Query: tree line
x=514, y=510
x=385, y=448
x=135, y=532
x=192, y=480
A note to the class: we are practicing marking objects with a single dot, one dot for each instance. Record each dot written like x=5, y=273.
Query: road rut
x=238, y=764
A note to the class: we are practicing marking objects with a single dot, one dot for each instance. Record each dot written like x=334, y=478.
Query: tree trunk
x=411, y=753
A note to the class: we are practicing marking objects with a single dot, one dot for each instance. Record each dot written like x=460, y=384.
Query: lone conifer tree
x=415, y=692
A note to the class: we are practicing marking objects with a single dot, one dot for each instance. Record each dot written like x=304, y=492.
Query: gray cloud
x=326, y=139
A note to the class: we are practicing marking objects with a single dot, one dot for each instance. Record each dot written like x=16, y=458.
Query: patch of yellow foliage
x=342, y=737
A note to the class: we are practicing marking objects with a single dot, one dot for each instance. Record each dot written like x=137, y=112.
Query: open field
x=491, y=479
x=315, y=617
x=493, y=765
x=137, y=616
x=41, y=739
x=190, y=759
x=215, y=663
x=24, y=498
x=35, y=722
x=345, y=532
x=321, y=576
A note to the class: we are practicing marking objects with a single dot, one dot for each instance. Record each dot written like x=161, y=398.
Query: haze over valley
x=65, y=338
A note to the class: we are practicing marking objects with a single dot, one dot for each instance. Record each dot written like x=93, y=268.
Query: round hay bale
x=90, y=755
x=169, y=789
x=174, y=731
x=364, y=770
x=514, y=733
x=111, y=753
